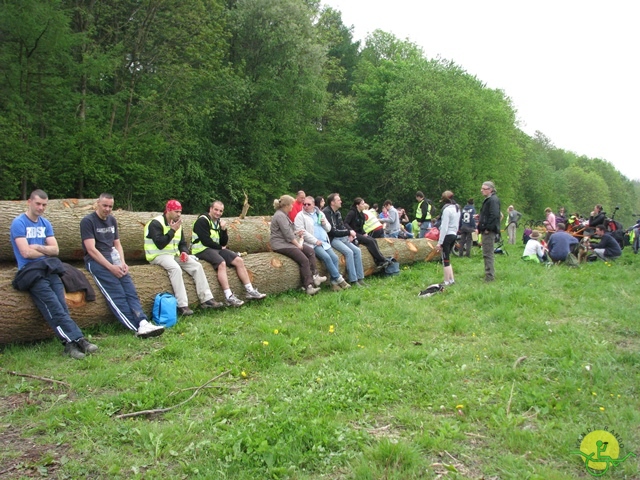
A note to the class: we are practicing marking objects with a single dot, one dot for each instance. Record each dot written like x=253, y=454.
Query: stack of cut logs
x=270, y=272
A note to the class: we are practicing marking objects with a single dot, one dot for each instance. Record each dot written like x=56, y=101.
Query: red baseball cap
x=172, y=206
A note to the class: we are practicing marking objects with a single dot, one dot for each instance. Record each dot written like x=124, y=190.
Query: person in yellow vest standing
x=164, y=245
x=209, y=238
x=424, y=211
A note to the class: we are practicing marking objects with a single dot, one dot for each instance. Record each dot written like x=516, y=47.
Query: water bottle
x=115, y=257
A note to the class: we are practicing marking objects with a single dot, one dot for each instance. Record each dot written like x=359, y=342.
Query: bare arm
x=50, y=249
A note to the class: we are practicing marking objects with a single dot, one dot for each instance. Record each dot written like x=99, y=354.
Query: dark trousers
x=466, y=242
x=305, y=258
x=48, y=295
x=373, y=248
x=488, y=247
x=120, y=294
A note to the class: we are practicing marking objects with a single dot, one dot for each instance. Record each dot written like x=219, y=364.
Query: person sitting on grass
x=533, y=250
x=560, y=244
x=607, y=249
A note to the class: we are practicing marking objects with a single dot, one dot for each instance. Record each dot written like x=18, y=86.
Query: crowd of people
x=304, y=229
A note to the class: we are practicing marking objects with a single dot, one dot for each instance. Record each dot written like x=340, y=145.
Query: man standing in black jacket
x=489, y=227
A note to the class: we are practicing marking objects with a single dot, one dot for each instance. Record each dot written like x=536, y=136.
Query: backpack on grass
x=393, y=268
x=165, y=310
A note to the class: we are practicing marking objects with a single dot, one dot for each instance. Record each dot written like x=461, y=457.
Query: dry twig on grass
x=164, y=410
x=43, y=379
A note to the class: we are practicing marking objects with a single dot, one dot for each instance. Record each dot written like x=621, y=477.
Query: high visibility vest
x=196, y=244
x=371, y=222
x=151, y=250
x=419, y=211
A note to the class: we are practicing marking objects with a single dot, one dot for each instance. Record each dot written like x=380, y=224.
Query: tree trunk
x=250, y=234
x=270, y=272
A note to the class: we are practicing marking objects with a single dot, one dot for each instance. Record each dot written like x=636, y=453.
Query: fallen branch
x=164, y=410
x=43, y=379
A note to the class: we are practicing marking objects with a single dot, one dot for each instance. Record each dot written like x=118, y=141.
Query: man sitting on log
x=209, y=240
x=164, y=245
x=35, y=248
x=104, y=259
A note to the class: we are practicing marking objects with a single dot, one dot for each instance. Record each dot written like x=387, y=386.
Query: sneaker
x=361, y=283
x=234, y=301
x=446, y=284
x=148, y=330
x=86, y=346
x=336, y=287
x=254, y=295
x=185, y=311
x=344, y=284
x=73, y=350
x=318, y=280
x=212, y=304
x=311, y=290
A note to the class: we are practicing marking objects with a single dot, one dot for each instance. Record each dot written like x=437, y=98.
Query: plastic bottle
x=115, y=257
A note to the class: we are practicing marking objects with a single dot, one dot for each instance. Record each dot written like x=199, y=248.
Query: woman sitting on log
x=287, y=241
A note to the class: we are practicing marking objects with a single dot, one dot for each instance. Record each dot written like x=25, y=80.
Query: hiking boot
x=311, y=290
x=254, y=294
x=212, y=304
x=335, y=287
x=185, y=311
x=86, y=346
x=234, y=301
x=148, y=330
x=73, y=350
x=318, y=280
x=344, y=284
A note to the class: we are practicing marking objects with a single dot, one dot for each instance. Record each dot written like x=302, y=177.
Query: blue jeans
x=392, y=235
x=424, y=228
x=120, y=294
x=48, y=295
x=330, y=259
x=352, y=258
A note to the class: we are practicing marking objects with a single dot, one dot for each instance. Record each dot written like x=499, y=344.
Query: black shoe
x=185, y=311
x=86, y=346
x=73, y=350
x=211, y=304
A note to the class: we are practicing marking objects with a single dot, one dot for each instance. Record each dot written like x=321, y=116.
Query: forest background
x=203, y=99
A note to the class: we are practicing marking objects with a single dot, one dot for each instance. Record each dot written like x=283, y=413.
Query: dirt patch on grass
x=24, y=458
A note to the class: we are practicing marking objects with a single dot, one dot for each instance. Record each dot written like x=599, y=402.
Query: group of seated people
x=559, y=244
x=302, y=230
x=40, y=272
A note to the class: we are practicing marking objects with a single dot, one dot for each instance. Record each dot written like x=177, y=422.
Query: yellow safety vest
x=371, y=222
x=196, y=244
x=419, y=211
x=151, y=250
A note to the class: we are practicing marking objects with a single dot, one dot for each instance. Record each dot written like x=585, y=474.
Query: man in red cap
x=164, y=245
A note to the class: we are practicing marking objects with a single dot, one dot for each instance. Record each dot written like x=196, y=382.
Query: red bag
x=432, y=234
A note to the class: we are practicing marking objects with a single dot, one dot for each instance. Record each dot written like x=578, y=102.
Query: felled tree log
x=270, y=272
x=250, y=234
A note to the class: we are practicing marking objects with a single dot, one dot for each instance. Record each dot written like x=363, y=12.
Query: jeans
x=424, y=228
x=330, y=259
x=120, y=294
x=392, y=234
x=352, y=258
x=48, y=295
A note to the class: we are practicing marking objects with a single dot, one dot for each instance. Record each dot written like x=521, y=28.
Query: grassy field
x=483, y=381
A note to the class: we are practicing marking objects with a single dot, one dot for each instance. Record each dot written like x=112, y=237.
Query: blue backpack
x=165, y=310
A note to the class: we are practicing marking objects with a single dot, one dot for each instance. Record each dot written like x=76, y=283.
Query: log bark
x=250, y=234
x=270, y=272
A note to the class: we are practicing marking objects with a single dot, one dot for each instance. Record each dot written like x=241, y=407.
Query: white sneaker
x=148, y=330
x=318, y=280
x=254, y=294
x=234, y=301
x=311, y=290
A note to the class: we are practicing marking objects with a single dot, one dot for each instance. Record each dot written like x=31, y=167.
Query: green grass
x=402, y=388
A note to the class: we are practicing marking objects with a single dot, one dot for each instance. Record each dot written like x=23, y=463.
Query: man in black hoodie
x=489, y=227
